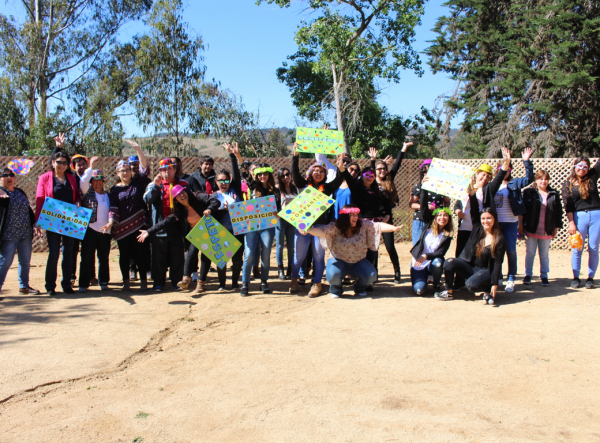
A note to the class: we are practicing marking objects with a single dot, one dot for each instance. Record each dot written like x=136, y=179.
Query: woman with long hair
x=349, y=238
x=316, y=177
x=540, y=223
x=285, y=232
x=480, y=262
x=62, y=186
x=582, y=205
x=430, y=251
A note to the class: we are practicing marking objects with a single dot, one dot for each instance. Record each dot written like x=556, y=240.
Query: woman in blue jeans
x=349, y=239
x=429, y=252
x=582, y=205
x=509, y=206
x=540, y=224
x=16, y=231
x=285, y=232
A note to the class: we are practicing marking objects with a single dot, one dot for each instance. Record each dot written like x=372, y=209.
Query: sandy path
x=391, y=367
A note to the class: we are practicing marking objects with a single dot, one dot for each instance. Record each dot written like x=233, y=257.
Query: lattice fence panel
x=558, y=168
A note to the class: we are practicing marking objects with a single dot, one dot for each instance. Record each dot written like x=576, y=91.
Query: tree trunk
x=339, y=111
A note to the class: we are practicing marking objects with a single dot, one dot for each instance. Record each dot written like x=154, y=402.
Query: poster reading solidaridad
x=214, y=241
x=320, y=141
x=305, y=209
x=64, y=218
x=254, y=215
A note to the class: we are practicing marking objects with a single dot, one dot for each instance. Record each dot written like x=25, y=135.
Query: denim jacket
x=515, y=197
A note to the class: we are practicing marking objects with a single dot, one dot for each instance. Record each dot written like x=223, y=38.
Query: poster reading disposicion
x=254, y=215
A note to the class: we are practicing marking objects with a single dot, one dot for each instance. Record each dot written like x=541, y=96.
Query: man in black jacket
x=204, y=178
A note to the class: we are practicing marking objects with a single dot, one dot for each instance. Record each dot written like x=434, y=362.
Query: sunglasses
x=226, y=182
x=287, y=174
x=353, y=169
x=61, y=163
x=262, y=173
x=7, y=175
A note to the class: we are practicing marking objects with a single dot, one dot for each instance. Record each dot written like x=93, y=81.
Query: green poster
x=305, y=209
x=214, y=241
x=320, y=141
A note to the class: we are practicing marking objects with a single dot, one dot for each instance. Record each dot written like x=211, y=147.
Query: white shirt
x=505, y=214
x=101, y=212
x=432, y=243
x=467, y=223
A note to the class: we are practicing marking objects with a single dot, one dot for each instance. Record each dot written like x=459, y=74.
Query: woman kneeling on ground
x=348, y=240
x=480, y=262
x=429, y=251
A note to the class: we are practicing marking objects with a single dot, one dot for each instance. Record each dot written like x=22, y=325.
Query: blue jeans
x=364, y=271
x=417, y=228
x=22, y=248
x=510, y=231
x=418, y=277
x=532, y=246
x=302, y=243
x=284, y=232
x=253, y=240
x=54, y=247
x=588, y=225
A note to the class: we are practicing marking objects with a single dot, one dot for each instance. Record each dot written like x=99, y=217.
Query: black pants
x=461, y=240
x=167, y=252
x=54, y=247
x=236, y=265
x=130, y=247
x=390, y=245
x=94, y=243
x=477, y=279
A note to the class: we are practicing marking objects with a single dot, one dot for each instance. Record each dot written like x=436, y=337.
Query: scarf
x=167, y=199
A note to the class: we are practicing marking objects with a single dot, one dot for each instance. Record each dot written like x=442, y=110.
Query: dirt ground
x=390, y=367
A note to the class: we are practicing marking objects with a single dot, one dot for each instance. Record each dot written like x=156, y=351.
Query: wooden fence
x=558, y=168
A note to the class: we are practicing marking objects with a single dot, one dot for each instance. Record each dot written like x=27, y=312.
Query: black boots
x=281, y=273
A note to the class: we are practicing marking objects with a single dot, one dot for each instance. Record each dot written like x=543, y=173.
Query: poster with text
x=254, y=215
x=448, y=178
x=64, y=218
x=214, y=241
x=320, y=141
x=305, y=209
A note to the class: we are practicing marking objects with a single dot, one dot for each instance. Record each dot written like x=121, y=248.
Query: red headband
x=349, y=211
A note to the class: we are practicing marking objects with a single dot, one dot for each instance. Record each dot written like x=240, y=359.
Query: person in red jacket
x=60, y=186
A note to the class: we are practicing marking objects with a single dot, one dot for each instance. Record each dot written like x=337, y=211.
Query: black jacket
x=371, y=205
x=417, y=249
x=4, y=204
x=468, y=253
x=533, y=203
x=489, y=193
x=199, y=202
x=197, y=181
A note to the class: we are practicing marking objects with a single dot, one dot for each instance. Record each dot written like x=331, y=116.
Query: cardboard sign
x=64, y=218
x=254, y=215
x=320, y=141
x=305, y=209
x=214, y=241
x=448, y=178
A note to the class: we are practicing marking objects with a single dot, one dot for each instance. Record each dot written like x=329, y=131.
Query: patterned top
x=127, y=208
x=18, y=223
x=353, y=249
x=540, y=233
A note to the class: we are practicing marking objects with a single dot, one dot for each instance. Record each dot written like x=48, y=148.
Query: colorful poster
x=320, y=141
x=448, y=178
x=305, y=209
x=254, y=215
x=214, y=241
x=64, y=218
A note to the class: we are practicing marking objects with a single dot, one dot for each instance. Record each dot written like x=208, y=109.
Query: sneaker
x=589, y=283
x=29, y=291
x=510, y=286
x=361, y=294
x=527, y=280
x=244, y=290
x=157, y=288
x=545, y=282
x=334, y=295
x=221, y=289
x=575, y=283
x=68, y=291
x=443, y=295
x=82, y=290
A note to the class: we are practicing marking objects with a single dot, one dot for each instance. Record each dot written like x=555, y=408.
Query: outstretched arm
x=140, y=153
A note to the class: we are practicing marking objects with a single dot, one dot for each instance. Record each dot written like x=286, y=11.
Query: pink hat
x=177, y=189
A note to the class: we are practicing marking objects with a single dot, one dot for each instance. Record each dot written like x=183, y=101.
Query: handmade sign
x=214, y=241
x=305, y=209
x=448, y=178
x=64, y=218
x=254, y=215
x=320, y=141
x=20, y=166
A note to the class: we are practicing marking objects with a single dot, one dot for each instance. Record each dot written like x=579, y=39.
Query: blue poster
x=254, y=215
x=64, y=218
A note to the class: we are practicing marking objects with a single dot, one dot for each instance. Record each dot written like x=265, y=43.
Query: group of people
x=149, y=219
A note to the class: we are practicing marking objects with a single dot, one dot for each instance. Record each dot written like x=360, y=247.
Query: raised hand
x=406, y=145
x=228, y=147
x=92, y=161
x=60, y=139
x=505, y=153
x=389, y=160
x=235, y=148
x=294, y=148
x=340, y=162
x=526, y=155
x=373, y=153
x=134, y=145
x=158, y=180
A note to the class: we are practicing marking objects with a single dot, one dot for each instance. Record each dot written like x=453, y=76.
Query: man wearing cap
x=167, y=243
x=204, y=179
x=79, y=164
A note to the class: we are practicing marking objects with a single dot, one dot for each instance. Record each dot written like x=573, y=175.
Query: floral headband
x=262, y=170
x=315, y=165
x=122, y=163
x=349, y=211
x=165, y=163
x=97, y=175
x=446, y=210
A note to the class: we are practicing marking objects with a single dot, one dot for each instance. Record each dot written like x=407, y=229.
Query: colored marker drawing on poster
x=64, y=218
x=254, y=215
x=305, y=209
x=320, y=141
x=214, y=241
x=20, y=166
x=448, y=178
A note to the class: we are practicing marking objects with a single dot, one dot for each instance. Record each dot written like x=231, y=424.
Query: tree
x=528, y=73
x=353, y=43
x=12, y=121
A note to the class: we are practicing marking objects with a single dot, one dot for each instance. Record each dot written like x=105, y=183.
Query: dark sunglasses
x=353, y=169
x=223, y=181
x=7, y=175
x=287, y=174
x=62, y=163
x=381, y=169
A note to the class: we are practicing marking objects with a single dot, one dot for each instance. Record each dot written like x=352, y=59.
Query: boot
x=126, y=286
x=315, y=290
x=244, y=290
x=294, y=286
x=264, y=287
x=256, y=271
x=288, y=273
x=199, y=288
x=397, y=276
x=281, y=273
x=143, y=284
x=222, y=274
x=183, y=284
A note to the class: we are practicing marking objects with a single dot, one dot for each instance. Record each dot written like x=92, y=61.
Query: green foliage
x=12, y=121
